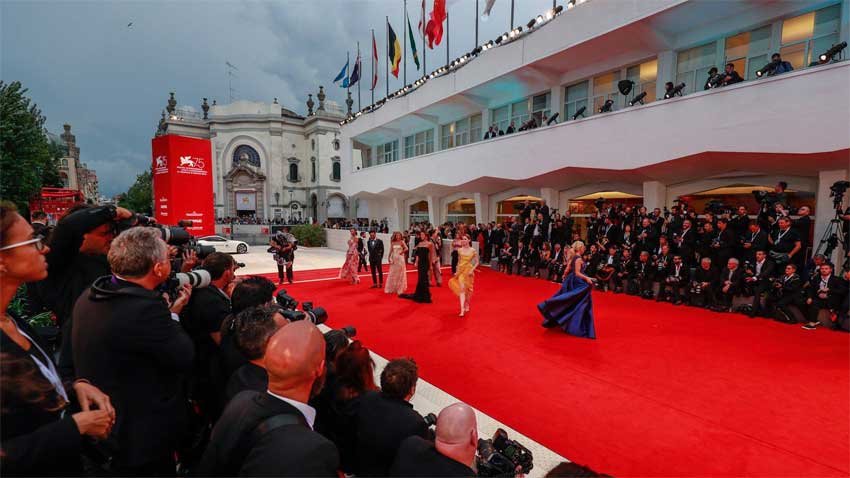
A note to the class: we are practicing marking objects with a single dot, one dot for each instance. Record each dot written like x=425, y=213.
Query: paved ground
x=258, y=261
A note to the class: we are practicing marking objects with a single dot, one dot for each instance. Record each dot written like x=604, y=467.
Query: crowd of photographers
x=198, y=372
x=724, y=259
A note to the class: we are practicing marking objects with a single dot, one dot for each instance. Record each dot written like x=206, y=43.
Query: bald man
x=451, y=454
x=271, y=434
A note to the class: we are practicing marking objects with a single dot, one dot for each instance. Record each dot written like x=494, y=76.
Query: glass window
x=408, y=147
x=604, y=89
x=501, y=118
x=293, y=173
x=335, y=171
x=643, y=76
x=540, y=107
x=447, y=133
x=692, y=66
x=461, y=132
x=806, y=36
x=748, y=51
x=388, y=152
x=313, y=170
x=475, y=128
x=519, y=113
x=575, y=99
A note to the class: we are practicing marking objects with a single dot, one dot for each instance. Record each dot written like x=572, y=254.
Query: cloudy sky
x=83, y=65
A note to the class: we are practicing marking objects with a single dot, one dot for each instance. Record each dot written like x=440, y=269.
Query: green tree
x=139, y=198
x=28, y=160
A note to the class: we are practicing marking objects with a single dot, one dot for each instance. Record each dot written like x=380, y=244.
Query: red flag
x=374, y=62
x=422, y=20
x=434, y=29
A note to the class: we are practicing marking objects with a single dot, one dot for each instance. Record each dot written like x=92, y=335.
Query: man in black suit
x=724, y=242
x=271, y=433
x=361, y=249
x=647, y=238
x=702, y=292
x=253, y=329
x=676, y=280
x=375, y=247
x=754, y=240
x=128, y=343
x=451, y=454
x=610, y=231
x=785, y=303
x=763, y=270
x=686, y=242
x=826, y=292
x=729, y=285
x=544, y=209
x=386, y=418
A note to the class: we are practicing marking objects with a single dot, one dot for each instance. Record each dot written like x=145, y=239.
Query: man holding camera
x=675, y=281
x=786, y=242
x=127, y=342
x=451, y=454
x=387, y=417
x=283, y=245
x=787, y=298
x=826, y=293
x=760, y=281
x=703, y=285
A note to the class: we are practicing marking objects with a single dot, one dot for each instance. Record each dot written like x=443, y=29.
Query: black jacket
x=376, y=250
x=837, y=290
x=247, y=377
x=735, y=282
x=290, y=450
x=419, y=457
x=35, y=441
x=382, y=424
x=126, y=343
x=202, y=316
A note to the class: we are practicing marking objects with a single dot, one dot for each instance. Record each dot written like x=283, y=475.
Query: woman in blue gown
x=571, y=308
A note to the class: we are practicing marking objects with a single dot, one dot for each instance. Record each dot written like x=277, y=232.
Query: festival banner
x=183, y=182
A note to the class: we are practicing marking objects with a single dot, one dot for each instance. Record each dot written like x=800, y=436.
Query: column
x=433, y=213
x=556, y=105
x=666, y=71
x=394, y=216
x=482, y=208
x=551, y=197
x=654, y=195
x=486, y=119
x=825, y=210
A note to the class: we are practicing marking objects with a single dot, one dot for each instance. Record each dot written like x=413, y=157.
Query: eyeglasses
x=38, y=241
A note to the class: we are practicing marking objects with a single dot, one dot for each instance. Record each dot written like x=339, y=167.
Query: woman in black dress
x=424, y=254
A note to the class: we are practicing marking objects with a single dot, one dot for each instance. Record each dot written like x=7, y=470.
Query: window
x=644, y=76
x=293, y=173
x=313, y=170
x=748, y=51
x=806, y=36
x=501, y=118
x=419, y=143
x=693, y=65
x=447, y=134
x=336, y=171
x=519, y=113
x=604, y=89
x=388, y=152
x=462, y=210
x=540, y=107
x=461, y=132
x=575, y=99
x=475, y=134
x=247, y=155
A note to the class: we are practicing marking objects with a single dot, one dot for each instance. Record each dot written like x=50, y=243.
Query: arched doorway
x=418, y=212
x=507, y=209
x=314, y=207
x=461, y=210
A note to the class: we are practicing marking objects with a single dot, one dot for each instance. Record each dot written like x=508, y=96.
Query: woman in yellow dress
x=462, y=284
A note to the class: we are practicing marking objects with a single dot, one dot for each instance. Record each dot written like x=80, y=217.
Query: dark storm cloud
x=85, y=66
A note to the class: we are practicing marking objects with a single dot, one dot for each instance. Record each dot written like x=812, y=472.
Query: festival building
x=458, y=144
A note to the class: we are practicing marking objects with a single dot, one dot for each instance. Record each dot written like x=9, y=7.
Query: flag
x=434, y=29
x=412, y=44
x=355, y=72
x=422, y=20
x=374, y=62
x=394, y=51
x=343, y=74
x=487, y=7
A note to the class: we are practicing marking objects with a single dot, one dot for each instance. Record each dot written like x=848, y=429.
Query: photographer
x=640, y=277
x=250, y=292
x=253, y=328
x=754, y=240
x=283, y=246
x=202, y=318
x=786, y=299
x=387, y=417
x=686, y=242
x=723, y=243
x=675, y=281
x=786, y=243
x=778, y=66
x=127, y=341
x=702, y=292
x=826, y=293
x=759, y=282
x=452, y=454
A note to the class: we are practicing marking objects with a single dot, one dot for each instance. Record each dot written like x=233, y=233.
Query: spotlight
x=833, y=51
x=571, y=4
x=580, y=112
x=531, y=22
x=675, y=91
x=625, y=86
x=559, y=9
x=764, y=70
x=638, y=99
x=607, y=106
x=512, y=33
x=550, y=14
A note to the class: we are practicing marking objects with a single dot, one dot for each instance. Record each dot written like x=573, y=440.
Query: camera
x=316, y=315
x=836, y=191
x=696, y=288
x=197, y=278
x=172, y=235
x=501, y=456
x=430, y=420
x=716, y=207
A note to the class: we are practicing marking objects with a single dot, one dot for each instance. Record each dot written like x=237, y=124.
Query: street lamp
x=277, y=198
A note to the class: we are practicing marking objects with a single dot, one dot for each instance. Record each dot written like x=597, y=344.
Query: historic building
x=75, y=174
x=268, y=161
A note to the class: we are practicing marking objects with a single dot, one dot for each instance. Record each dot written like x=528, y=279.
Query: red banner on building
x=182, y=182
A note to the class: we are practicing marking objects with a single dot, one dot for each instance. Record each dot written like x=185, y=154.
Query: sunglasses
x=38, y=241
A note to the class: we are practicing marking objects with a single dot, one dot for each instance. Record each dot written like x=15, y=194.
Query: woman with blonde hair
x=571, y=308
x=463, y=282
x=397, y=277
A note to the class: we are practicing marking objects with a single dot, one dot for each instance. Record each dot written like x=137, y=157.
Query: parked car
x=224, y=245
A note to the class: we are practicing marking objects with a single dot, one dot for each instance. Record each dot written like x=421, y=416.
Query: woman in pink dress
x=397, y=277
x=352, y=260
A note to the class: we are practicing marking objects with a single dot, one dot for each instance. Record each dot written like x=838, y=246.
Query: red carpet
x=664, y=390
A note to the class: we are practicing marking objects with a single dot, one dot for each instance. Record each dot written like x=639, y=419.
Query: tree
x=28, y=161
x=139, y=198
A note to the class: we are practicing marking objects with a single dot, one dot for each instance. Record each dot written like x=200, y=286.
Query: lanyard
x=48, y=370
x=780, y=234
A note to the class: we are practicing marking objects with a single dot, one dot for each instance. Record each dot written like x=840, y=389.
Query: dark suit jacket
x=837, y=290
x=736, y=281
x=376, y=250
x=247, y=377
x=418, y=457
x=768, y=270
x=126, y=343
x=382, y=424
x=290, y=450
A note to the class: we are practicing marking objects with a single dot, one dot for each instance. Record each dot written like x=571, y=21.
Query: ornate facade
x=268, y=161
x=74, y=174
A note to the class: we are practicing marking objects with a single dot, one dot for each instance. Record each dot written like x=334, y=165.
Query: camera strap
x=266, y=426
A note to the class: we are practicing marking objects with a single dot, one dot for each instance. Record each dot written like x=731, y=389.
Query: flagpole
x=404, y=35
x=348, y=76
x=424, y=46
x=374, y=69
x=476, y=24
x=512, y=15
x=360, y=77
x=448, y=34
x=388, y=56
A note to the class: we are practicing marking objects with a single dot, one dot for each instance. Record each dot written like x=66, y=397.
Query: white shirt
x=306, y=410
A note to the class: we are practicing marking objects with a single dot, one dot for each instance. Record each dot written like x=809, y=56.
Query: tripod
x=832, y=236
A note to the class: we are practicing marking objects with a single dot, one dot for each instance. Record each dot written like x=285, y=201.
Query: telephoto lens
x=430, y=419
x=196, y=278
